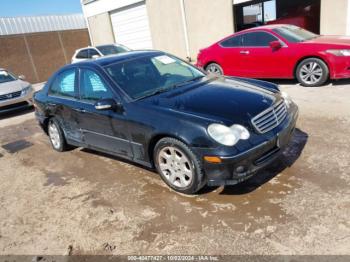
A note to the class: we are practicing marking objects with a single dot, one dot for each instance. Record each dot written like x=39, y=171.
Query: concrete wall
x=38, y=55
x=208, y=21
x=166, y=26
x=335, y=17
x=101, y=30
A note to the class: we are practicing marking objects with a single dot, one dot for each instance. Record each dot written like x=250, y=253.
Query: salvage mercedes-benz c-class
x=159, y=111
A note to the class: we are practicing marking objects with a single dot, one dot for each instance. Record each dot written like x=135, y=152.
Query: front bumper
x=17, y=103
x=240, y=167
x=339, y=67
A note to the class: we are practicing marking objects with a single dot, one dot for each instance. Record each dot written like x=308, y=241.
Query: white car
x=14, y=92
x=91, y=52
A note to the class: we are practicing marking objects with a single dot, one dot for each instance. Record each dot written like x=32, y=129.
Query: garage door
x=131, y=27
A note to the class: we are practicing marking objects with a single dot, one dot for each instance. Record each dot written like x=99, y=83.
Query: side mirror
x=95, y=56
x=21, y=77
x=275, y=45
x=108, y=104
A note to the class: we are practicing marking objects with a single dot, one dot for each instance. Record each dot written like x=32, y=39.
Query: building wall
x=203, y=25
x=335, y=17
x=208, y=21
x=38, y=55
x=101, y=30
x=166, y=26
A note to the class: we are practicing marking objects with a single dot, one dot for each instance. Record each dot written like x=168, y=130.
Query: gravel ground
x=83, y=202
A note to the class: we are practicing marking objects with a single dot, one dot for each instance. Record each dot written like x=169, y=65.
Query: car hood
x=331, y=40
x=12, y=86
x=224, y=100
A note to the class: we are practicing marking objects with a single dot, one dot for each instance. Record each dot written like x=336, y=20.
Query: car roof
x=268, y=27
x=83, y=48
x=87, y=47
x=112, y=59
x=114, y=44
x=2, y=69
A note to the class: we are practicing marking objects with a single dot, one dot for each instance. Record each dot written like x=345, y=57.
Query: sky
x=11, y=8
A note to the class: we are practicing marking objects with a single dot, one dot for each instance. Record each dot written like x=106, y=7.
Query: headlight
x=26, y=90
x=339, y=52
x=228, y=136
x=287, y=98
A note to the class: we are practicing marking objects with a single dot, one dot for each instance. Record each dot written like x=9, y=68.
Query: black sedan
x=159, y=111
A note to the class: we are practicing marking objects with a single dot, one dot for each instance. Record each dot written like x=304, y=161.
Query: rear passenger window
x=93, y=87
x=93, y=52
x=258, y=39
x=235, y=41
x=83, y=54
x=64, y=84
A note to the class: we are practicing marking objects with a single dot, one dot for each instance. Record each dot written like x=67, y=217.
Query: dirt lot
x=89, y=203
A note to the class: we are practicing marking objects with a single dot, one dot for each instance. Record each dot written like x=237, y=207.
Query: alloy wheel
x=175, y=166
x=311, y=73
x=54, y=136
x=214, y=69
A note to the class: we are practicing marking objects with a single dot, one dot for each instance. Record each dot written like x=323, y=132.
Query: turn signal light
x=213, y=159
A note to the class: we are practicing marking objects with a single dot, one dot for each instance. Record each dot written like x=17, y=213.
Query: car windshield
x=147, y=76
x=112, y=49
x=294, y=34
x=6, y=77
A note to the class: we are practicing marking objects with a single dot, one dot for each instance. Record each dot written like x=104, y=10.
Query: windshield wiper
x=188, y=81
x=165, y=89
x=156, y=92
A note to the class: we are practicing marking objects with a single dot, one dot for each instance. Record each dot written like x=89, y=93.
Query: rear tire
x=56, y=136
x=312, y=72
x=178, y=166
x=214, y=68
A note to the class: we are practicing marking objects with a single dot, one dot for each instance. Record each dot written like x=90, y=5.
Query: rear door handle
x=80, y=110
x=245, y=52
x=52, y=104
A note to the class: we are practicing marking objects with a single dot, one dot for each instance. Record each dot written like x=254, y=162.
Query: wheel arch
x=45, y=124
x=155, y=139
x=312, y=56
x=211, y=62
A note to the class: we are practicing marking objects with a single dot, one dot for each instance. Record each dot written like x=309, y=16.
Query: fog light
x=240, y=169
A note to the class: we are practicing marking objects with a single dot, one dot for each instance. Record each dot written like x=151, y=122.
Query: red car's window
x=259, y=39
x=234, y=41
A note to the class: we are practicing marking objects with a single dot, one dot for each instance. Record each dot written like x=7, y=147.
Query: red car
x=279, y=51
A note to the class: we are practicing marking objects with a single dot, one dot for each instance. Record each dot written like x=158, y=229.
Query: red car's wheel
x=312, y=72
x=214, y=68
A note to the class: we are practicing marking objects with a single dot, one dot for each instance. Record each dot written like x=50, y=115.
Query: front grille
x=10, y=95
x=270, y=118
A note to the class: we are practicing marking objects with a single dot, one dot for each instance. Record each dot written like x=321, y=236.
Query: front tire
x=312, y=72
x=178, y=166
x=56, y=136
x=214, y=68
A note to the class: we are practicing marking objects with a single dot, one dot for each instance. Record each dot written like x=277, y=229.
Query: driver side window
x=92, y=87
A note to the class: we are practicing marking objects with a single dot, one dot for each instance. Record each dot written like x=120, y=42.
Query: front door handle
x=80, y=110
x=245, y=52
